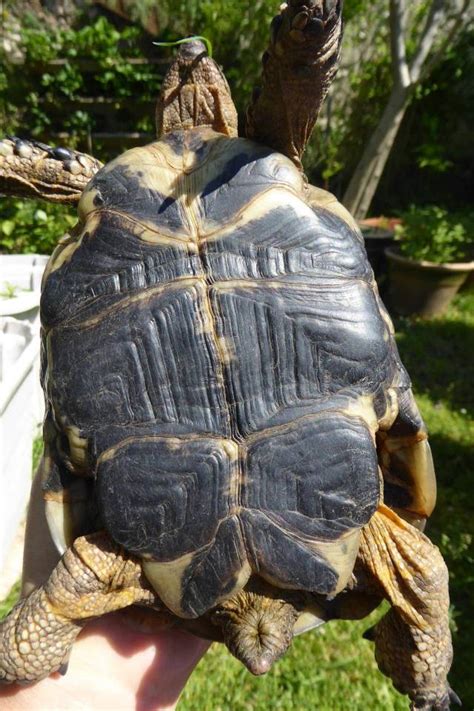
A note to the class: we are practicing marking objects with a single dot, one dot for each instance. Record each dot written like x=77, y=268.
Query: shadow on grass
x=438, y=356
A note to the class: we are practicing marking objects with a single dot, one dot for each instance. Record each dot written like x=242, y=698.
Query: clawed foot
x=305, y=20
x=436, y=702
x=73, y=162
x=298, y=68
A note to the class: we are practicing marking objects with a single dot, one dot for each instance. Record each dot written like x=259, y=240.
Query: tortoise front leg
x=34, y=170
x=92, y=578
x=298, y=68
x=412, y=642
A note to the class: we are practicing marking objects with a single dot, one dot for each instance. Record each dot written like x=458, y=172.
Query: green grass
x=7, y=604
x=330, y=669
x=439, y=357
x=333, y=668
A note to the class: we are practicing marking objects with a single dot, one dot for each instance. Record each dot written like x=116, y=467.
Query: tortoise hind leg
x=92, y=578
x=413, y=641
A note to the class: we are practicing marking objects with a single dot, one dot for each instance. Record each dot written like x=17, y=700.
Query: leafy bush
x=435, y=235
x=31, y=227
x=33, y=96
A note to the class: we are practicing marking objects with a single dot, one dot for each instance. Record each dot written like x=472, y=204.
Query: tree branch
x=397, y=43
x=436, y=16
x=458, y=19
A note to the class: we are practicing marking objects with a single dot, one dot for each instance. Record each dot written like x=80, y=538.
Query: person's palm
x=113, y=666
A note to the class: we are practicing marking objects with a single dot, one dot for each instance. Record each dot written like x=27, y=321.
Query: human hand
x=114, y=666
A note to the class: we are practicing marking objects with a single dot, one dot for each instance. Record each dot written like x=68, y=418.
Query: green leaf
x=7, y=227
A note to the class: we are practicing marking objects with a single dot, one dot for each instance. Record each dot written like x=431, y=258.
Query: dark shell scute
x=287, y=241
x=286, y=558
x=173, y=494
x=293, y=344
x=121, y=189
x=143, y=373
x=317, y=476
x=109, y=264
x=213, y=572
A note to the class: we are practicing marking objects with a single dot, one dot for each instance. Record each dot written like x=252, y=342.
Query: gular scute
x=122, y=189
x=215, y=339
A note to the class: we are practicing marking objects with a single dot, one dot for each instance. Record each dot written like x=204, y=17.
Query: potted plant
x=432, y=259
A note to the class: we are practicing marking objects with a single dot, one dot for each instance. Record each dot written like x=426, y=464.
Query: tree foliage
x=36, y=99
x=420, y=34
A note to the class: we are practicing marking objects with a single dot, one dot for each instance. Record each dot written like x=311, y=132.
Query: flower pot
x=378, y=234
x=423, y=288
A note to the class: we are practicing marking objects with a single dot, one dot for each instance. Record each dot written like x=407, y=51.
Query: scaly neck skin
x=195, y=93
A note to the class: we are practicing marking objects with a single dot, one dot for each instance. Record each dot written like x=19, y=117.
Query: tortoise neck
x=195, y=93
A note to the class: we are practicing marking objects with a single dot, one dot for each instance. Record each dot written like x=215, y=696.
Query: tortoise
x=231, y=439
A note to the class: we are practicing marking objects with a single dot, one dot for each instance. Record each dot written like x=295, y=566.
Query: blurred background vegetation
x=86, y=74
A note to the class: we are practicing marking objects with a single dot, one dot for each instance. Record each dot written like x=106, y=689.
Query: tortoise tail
x=257, y=629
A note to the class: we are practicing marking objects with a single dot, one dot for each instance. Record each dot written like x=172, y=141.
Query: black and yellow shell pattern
x=216, y=360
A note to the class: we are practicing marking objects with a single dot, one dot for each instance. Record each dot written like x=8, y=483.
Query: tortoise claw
x=454, y=698
x=30, y=168
x=441, y=703
x=65, y=663
x=63, y=668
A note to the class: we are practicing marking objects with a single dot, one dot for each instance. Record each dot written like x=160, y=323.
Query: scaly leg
x=298, y=68
x=413, y=641
x=92, y=578
x=34, y=170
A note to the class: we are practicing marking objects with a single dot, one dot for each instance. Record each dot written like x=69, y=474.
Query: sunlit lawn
x=333, y=669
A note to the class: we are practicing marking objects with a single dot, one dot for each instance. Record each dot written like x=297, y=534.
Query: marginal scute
x=406, y=461
x=411, y=470
x=391, y=411
x=69, y=503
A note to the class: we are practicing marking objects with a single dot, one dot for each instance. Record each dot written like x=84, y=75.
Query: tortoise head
x=194, y=93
